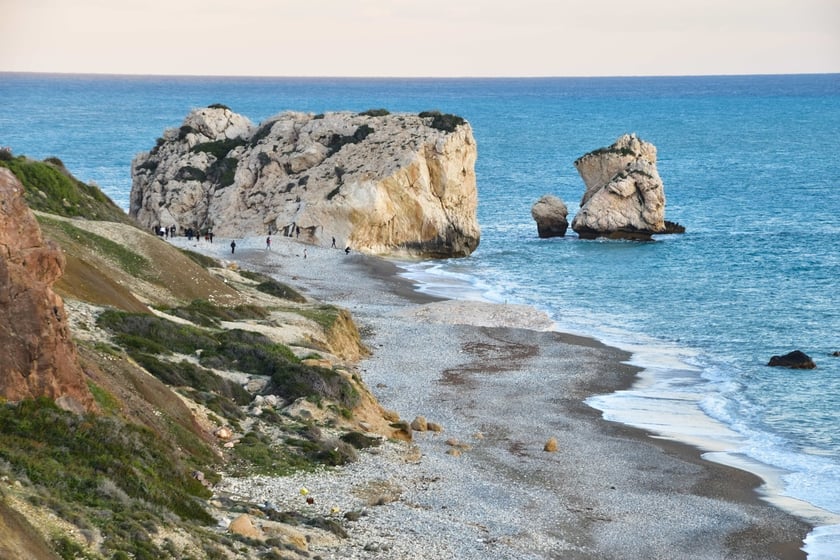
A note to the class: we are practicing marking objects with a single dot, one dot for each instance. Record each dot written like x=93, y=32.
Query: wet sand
x=502, y=385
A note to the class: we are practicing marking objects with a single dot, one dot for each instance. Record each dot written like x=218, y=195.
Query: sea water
x=750, y=169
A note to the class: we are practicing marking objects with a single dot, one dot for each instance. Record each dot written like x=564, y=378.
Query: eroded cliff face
x=38, y=357
x=378, y=183
x=624, y=194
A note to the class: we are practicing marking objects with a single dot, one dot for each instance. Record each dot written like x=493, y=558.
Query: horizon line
x=372, y=77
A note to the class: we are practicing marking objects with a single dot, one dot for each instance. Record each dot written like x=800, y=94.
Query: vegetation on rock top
x=51, y=188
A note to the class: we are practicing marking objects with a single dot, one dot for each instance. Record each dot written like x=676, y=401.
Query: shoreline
x=624, y=494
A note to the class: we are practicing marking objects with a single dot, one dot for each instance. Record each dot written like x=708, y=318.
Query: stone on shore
x=243, y=526
x=419, y=424
x=625, y=197
x=376, y=182
x=550, y=214
x=550, y=445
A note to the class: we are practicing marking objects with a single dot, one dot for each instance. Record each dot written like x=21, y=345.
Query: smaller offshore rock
x=550, y=214
x=625, y=197
x=793, y=360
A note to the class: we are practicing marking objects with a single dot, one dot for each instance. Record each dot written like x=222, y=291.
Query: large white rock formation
x=377, y=182
x=624, y=197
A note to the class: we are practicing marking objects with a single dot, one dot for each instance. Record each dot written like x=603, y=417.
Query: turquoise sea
x=750, y=168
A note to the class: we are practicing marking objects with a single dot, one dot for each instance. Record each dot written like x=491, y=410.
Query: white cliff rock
x=377, y=182
x=624, y=197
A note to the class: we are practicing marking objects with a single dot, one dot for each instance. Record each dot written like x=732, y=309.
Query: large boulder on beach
x=793, y=360
x=625, y=197
x=377, y=182
x=550, y=214
x=38, y=357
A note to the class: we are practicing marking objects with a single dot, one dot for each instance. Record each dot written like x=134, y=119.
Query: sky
x=428, y=38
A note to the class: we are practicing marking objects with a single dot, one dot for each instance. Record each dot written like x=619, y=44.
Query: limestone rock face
x=383, y=184
x=624, y=197
x=38, y=357
x=550, y=214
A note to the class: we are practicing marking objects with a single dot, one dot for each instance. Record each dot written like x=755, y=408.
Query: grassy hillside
x=167, y=339
x=51, y=188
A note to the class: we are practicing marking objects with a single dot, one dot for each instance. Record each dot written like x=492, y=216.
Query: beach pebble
x=551, y=445
x=434, y=427
x=419, y=424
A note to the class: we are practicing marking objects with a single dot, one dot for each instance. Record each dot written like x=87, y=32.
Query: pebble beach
x=504, y=385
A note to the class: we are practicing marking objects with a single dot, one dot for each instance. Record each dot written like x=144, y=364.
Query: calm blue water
x=750, y=168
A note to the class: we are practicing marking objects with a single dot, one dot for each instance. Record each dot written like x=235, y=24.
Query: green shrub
x=150, y=165
x=202, y=260
x=186, y=374
x=183, y=339
x=269, y=285
x=360, y=440
x=73, y=458
x=262, y=132
x=50, y=188
x=248, y=352
x=298, y=380
x=218, y=106
x=218, y=148
x=375, y=113
x=262, y=455
x=222, y=406
x=184, y=130
x=208, y=314
x=325, y=315
x=263, y=158
x=443, y=121
x=226, y=171
x=338, y=141
x=103, y=398
x=190, y=173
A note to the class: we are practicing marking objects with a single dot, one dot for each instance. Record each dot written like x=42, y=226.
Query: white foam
x=676, y=398
x=823, y=543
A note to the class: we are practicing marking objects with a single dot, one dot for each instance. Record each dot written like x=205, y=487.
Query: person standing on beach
x=333, y=245
x=268, y=243
x=232, y=247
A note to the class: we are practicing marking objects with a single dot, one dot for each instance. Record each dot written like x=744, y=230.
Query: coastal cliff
x=167, y=369
x=377, y=182
x=39, y=358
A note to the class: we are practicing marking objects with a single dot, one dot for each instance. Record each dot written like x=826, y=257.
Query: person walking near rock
x=232, y=247
x=268, y=243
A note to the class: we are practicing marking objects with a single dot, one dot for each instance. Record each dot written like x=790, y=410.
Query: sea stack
x=625, y=197
x=377, y=182
x=550, y=214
